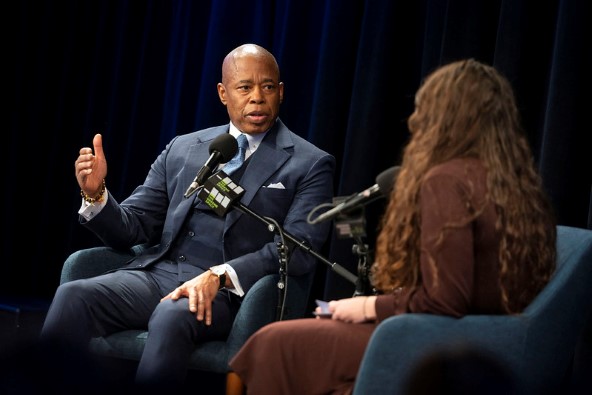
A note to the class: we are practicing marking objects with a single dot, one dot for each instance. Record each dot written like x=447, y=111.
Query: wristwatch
x=221, y=273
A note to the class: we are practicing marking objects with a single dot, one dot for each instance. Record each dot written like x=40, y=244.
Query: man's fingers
x=176, y=294
x=200, y=299
x=194, y=301
x=204, y=308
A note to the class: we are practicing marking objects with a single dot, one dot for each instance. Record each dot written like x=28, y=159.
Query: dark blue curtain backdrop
x=141, y=72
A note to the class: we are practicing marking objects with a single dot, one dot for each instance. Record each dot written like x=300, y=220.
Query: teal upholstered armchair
x=541, y=348
x=259, y=307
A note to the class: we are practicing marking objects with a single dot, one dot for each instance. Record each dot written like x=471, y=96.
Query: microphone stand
x=283, y=281
x=353, y=225
x=220, y=185
x=362, y=284
x=273, y=226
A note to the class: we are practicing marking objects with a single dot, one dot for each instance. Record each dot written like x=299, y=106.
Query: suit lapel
x=269, y=157
x=199, y=152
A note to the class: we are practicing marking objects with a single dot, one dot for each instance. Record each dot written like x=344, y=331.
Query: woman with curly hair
x=468, y=230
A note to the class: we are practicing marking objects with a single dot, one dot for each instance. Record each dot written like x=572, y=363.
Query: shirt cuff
x=237, y=290
x=89, y=210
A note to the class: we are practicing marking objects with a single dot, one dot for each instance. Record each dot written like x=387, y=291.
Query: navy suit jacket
x=156, y=210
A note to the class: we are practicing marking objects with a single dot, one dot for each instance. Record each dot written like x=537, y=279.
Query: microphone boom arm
x=343, y=272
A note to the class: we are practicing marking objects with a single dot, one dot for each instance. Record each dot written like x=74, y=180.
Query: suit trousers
x=130, y=299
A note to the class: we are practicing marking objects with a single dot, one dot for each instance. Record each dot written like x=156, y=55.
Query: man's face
x=252, y=93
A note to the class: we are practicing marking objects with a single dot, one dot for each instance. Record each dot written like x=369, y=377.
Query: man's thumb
x=98, y=145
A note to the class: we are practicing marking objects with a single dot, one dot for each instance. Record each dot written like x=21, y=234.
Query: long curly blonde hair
x=468, y=109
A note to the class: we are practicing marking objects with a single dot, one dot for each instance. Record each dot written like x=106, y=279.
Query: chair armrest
x=260, y=307
x=96, y=260
x=256, y=310
x=401, y=342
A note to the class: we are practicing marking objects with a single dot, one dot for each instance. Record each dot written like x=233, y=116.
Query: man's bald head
x=229, y=65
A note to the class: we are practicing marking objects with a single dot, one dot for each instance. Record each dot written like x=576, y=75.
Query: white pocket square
x=277, y=185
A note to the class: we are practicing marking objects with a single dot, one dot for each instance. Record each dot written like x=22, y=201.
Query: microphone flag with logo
x=219, y=192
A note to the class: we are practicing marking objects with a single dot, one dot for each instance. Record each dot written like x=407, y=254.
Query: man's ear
x=221, y=92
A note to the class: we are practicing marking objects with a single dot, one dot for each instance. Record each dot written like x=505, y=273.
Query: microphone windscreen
x=386, y=180
x=226, y=145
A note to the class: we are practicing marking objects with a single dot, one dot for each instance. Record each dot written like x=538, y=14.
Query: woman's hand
x=355, y=310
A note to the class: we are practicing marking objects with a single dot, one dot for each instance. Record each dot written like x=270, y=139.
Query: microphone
x=222, y=149
x=383, y=187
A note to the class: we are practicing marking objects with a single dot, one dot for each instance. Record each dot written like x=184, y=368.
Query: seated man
x=188, y=287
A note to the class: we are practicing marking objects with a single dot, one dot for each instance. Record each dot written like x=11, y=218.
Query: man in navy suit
x=188, y=286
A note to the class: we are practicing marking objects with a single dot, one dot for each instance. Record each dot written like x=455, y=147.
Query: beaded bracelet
x=98, y=199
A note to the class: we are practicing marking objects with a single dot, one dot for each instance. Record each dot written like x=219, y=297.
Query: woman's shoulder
x=463, y=168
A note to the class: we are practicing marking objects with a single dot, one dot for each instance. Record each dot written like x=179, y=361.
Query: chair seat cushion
x=129, y=344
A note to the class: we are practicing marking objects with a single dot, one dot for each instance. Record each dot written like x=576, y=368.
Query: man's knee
x=170, y=313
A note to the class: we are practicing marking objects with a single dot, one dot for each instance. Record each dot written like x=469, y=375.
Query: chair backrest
x=537, y=347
